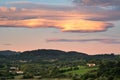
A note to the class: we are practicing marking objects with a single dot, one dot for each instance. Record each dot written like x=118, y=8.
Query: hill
x=8, y=53
x=49, y=55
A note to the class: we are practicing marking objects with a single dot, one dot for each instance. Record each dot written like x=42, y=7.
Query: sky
x=89, y=26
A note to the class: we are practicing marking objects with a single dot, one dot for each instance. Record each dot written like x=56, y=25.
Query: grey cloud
x=107, y=41
x=97, y=2
x=101, y=14
x=7, y=44
x=30, y=5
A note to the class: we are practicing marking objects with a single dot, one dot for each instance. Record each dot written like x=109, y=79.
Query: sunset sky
x=90, y=26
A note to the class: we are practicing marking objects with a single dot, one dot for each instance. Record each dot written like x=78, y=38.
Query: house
x=91, y=64
x=15, y=70
x=19, y=72
x=22, y=61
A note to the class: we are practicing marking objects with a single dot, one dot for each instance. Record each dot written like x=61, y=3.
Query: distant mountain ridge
x=52, y=52
x=48, y=54
x=53, y=55
x=8, y=52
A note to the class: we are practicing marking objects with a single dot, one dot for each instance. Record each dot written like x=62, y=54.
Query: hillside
x=43, y=54
x=8, y=53
x=48, y=63
x=52, y=55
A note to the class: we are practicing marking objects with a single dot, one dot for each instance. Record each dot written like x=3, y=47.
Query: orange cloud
x=64, y=25
x=66, y=21
x=84, y=26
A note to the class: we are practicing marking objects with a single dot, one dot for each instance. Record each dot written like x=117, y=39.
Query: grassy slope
x=82, y=70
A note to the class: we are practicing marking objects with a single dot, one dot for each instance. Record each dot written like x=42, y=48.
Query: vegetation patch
x=82, y=70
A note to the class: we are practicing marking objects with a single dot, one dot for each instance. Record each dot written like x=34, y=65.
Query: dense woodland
x=46, y=64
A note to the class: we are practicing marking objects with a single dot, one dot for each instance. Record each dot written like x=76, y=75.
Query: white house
x=19, y=72
x=91, y=64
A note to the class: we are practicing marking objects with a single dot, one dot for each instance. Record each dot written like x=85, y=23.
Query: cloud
x=64, y=18
x=5, y=9
x=97, y=2
x=64, y=25
x=100, y=10
x=6, y=44
x=107, y=41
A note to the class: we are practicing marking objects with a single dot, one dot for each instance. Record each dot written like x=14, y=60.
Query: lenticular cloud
x=66, y=19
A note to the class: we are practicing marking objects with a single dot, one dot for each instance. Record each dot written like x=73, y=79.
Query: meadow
x=81, y=71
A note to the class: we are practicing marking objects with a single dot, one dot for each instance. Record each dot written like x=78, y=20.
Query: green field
x=41, y=79
x=82, y=70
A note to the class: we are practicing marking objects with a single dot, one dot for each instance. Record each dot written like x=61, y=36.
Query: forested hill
x=53, y=55
x=49, y=54
x=8, y=52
